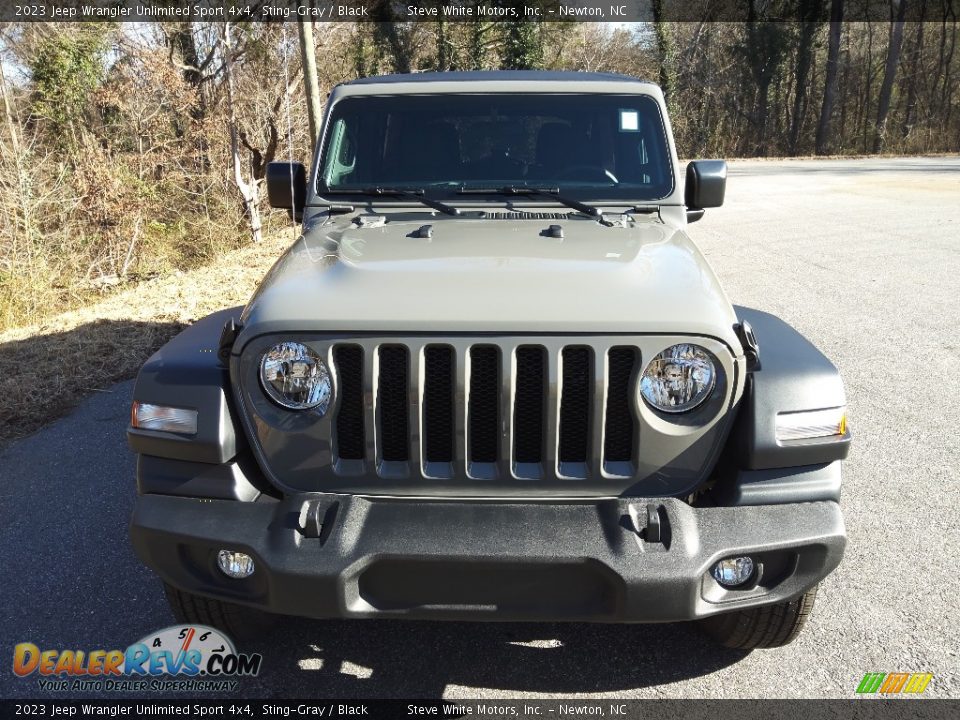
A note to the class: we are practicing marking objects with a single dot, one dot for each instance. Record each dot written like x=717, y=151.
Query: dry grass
x=47, y=368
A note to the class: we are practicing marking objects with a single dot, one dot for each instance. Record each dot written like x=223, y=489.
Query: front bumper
x=484, y=560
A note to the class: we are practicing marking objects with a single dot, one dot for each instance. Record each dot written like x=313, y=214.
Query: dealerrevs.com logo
x=181, y=657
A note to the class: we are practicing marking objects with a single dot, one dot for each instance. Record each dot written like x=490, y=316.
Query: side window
x=342, y=157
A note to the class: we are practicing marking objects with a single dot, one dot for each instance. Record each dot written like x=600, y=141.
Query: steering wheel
x=590, y=173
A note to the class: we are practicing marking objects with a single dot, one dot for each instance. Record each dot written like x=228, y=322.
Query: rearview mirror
x=287, y=186
x=705, y=187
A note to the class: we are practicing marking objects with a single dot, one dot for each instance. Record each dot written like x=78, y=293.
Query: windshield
x=587, y=146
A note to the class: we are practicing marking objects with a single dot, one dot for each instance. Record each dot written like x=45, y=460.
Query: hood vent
x=515, y=215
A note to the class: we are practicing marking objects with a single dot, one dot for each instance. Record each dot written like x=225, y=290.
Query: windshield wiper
x=412, y=194
x=525, y=190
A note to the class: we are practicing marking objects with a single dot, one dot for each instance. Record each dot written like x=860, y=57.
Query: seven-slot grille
x=486, y=411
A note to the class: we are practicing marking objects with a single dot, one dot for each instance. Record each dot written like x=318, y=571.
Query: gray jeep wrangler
x=494, y=379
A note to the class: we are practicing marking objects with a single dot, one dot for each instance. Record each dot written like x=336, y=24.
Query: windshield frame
x=584, y=193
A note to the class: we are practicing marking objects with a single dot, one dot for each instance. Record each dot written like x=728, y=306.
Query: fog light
x=235, y=564
x=733, y=571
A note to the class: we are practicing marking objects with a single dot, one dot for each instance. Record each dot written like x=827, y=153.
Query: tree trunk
x=183, y=47
x=844, y=83
x=387, y=36
x=308, y=58
x=910, y=114
x=889, y=73
x=477, y=48
x=761, y=112
x=444, y=47
x=867, y=90
x=664, y=51
x=766, y=45
x=946, y=95
x=804, y=51
x=8, y=114
x=249, y=191
x=830, y=84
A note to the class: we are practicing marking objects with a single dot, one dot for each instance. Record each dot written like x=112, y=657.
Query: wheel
x=238, y=621
x=769, y=626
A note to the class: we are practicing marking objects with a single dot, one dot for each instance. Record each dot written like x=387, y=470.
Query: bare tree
x=810, y=12
x=914, y=77
x=890, y=72
x=763, y=51
x=249, y=190
x=664, y=40
x=830, y=83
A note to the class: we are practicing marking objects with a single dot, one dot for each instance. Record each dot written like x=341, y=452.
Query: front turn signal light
x=812, y=424
x=147, y=416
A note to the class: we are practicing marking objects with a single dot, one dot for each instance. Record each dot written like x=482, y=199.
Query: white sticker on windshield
x=629, y=121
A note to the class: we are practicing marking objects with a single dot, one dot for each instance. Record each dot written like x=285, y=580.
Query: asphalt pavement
x=862, y=256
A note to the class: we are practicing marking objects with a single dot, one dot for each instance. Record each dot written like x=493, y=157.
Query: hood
x=476, y=275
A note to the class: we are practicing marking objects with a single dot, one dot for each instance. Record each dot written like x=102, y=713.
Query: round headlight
x=296, y=377
x=678, y=379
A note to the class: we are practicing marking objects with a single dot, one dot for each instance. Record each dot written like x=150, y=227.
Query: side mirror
x=705, y=187
x=287, y=186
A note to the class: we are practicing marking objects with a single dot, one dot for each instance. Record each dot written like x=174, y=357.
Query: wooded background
x=132, y=150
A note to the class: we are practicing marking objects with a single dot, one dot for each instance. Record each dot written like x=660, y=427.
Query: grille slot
x=438, y=390
x=350, y=436
x=528, y=406
x=394, y=421
x=619, y=423
x=522, y=215
x=484, y=411
x=575, y=407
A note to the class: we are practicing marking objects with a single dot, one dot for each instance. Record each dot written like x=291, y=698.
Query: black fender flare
x=793, y=376
x=187, y=373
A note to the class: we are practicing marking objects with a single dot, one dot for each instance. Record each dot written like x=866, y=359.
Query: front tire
x=757, y=628
x=238, y=621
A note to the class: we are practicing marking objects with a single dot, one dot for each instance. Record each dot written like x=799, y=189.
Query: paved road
x=862, y=256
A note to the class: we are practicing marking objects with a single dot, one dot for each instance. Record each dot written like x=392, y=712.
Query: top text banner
x=609, y=11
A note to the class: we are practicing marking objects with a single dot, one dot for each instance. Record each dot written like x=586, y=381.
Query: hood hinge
x=751, y=348
x=229, y=333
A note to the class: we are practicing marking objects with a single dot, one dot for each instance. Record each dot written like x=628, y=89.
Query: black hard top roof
x=497, y=76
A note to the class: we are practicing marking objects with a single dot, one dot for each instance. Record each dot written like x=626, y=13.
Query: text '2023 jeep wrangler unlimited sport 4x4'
x=492, y=380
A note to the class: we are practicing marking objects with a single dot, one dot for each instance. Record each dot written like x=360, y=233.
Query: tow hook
x=313, y=514
x=650, y=523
